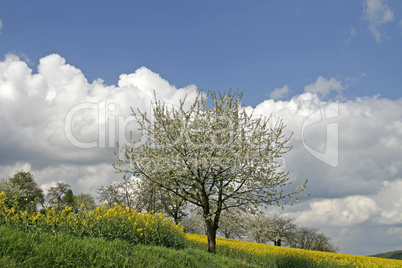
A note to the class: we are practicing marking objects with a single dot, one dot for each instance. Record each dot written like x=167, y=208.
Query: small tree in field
x=23, y=187
x=86, y=199
x=311, y=239
x=216, y=158
x=233, y=224
x=143, y=195
x=264, y=228
x=57, y=193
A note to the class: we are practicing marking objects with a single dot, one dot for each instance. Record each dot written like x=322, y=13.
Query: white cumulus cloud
x=279, y=93
x=39, y=109
x=362, y=192
x=378, y=14
x=346, y=211
x=324, y=86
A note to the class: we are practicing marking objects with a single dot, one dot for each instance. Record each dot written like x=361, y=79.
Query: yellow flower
x=263, y=250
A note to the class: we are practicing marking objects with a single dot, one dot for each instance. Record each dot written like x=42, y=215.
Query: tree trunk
x=211, y=234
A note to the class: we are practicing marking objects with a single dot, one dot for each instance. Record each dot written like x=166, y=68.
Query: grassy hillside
x=396, y=255
x=42, y=249
x=21, y=249
x=120, y=237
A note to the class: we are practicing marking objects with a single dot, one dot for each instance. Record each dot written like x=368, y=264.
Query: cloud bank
x=36, y=114
x=361, y=191
x=360, y=195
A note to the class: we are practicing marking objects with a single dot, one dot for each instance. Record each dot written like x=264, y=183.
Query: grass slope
x=43, y=249
x=20, y=249
x=396, y=255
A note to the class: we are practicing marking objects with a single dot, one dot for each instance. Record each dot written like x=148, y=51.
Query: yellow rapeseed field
x=117, y=222
x=254, y=249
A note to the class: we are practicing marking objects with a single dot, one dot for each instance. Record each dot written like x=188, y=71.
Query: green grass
x=396, y=255
x=21, y=249
x=41, y=249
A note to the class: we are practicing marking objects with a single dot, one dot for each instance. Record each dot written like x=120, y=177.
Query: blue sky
x=296, y=60
x=256, y=47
